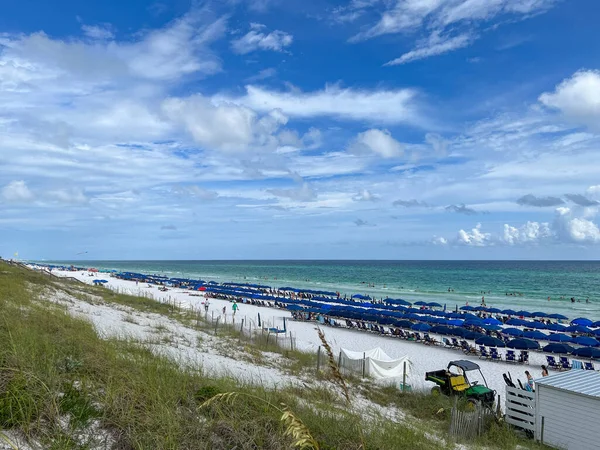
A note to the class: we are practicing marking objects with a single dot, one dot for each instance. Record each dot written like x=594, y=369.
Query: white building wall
x=571, y=421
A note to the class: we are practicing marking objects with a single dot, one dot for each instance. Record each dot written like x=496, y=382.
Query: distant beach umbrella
x=516, y=322
x=468, y=316
x=486, y=326
x=512, y=332
x=537, y=325
x=420, y=327
x=456, y=322
x=582, y=321
x=587, y=352
x=492, y=321
x=455, y=315
x=473, y=322
x=472, y=335
x=539, y=314
x=489, y=341
x=403, y=323
x=559, y=337
x=420, y=303
x=523, y=344
x=467, y=308
x=294, y=307
x=523, y=313
x=480, y=308
x=596, y=324
x=578, y=329
x=509, y=312
x=587, y=341
x=440, y=329
x=556, y=327
x=434, y=305
x=535, y=335
x=459, y=332
x=494, y=310
x=557, y=316
x=597, y=332
x=561, y=349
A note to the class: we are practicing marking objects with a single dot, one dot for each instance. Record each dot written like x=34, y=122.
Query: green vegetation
x=64, y=387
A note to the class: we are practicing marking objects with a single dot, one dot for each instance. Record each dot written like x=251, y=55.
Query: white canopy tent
x=375, y=364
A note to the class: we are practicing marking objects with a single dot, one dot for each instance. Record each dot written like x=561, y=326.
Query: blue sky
x=392, y=129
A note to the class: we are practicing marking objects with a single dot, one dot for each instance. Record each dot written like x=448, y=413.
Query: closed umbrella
x=587, y=352
x=513, y=332
x=559, y=337
x=582, y=321
x=523, y=344
x=587, y=341
x=535, y=335
x=558, y=348
x=489, y=341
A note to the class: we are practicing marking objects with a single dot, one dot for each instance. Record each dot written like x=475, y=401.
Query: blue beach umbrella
x=582, y=321
x=556, y=327
x=512, y=332
x=434, y=305
x=485, y=326
x=557, y=316
x=459, y=332
x=509, y=312
x=467, y=316
x=535, y=335
x=467, y=308
x=489, y=341
x=440, y=329
x=559, y=337
x=472, y=335
x=403, y=323
x=473, y=322
x=539, y=314
x=587, y=352
x=294, y=307
x=558, y=348
x=578, y=329
x=492, y=321
x=420, y=327
x=597, y=332
x=537, y=325
x=420, y=303
x=523, y=344
x=516, y=322
x=456, y=322
x=480, y=308
x=523, y=313
x=596, y=324
x=494, y=310
x=587, y=341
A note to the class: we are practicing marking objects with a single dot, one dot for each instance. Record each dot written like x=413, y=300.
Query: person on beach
x=224, y=310
x=544, y=371
x=529, y=385
x=206, y=305
x=234, y=307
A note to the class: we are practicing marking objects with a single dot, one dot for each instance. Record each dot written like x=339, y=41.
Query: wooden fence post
x=318, y=358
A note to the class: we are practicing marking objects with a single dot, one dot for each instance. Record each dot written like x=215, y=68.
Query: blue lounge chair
x=576, y=364
x=552, y=364
x=447, y=343
x=483, y=353
x=588, y=365
x=564, y=363
x=524, y=357
x=510, y=356
x=494, y=355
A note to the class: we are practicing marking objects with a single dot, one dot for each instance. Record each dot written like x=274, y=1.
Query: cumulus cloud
x=302, y=194
x=17, y=192
x=438, y=240
x=572, y=228
x=224, y=126
x=376, y=141
x=594, y=191
x=258, y=39
x=532, y=200
x=383, y=106
x=365, y=196
x=578, y=98
x=531, y=232
x=461, y=209
x=410, y=203
x=473, y=238
x=581, y=200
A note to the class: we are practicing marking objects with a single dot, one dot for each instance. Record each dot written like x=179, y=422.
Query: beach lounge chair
x=564, y=363
x=494, y=355
x=455, y=342
x=511, y=356
x=588, y=365
x=524, y=357
x=483, y=353
x=447, y=343
x=552, y=363
x=418, y=336
x=467, y=349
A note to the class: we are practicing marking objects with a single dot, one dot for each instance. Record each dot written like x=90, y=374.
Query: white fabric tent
x=375, y=363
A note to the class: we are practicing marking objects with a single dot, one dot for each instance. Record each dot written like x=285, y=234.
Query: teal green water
x=411, y=280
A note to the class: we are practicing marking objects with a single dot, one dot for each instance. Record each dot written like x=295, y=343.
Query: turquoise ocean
x=531, y=282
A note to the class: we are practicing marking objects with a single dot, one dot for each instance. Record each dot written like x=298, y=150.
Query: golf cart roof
x=464, y=365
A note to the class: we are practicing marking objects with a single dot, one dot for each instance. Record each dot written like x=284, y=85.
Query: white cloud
x=225, y=126
x=257, y=39
x=438, y=18
x=531, y=232
x=17, y=191
x=433, y=46
x=439, y=240
x=68, y=196
x=365, y=196
x=474, y=238
x=385, y=106
x=377, y=141
x=573, y=228
x=594, y=191
x=578, y=98
x=97, y=31
x=302, y=194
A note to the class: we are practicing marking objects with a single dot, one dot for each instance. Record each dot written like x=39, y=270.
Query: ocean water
x=531, y=282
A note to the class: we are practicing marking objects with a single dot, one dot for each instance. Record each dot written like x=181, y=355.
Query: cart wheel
x=436, y=391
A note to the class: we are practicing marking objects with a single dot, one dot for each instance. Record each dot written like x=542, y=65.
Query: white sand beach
x=423, y=357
